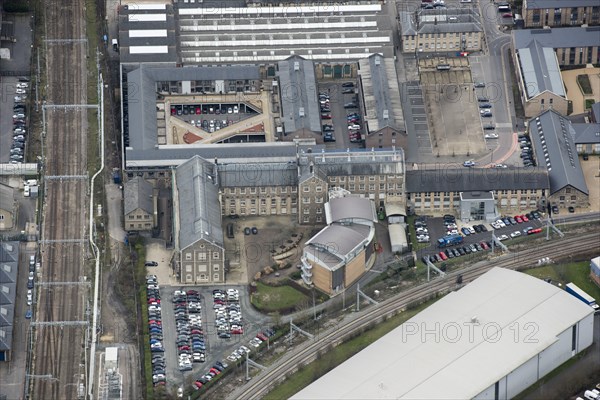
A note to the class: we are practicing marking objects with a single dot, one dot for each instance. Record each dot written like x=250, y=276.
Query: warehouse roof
x=540, y=70
x=253, y=174
x=431, y=368
x=476, y=179
x=197, y=204
x=552, y=138
x=138, y=194
x=298, y=88
x=557, y=38
x=350, y=208
x=537, y=4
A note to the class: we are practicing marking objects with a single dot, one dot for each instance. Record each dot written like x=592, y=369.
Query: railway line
x=58, y=362
x=307, y=352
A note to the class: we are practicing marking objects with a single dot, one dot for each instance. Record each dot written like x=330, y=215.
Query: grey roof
x=552, y=138
x=238, y=35
x=125, y=41
x=143, y=132
x=340, y=240
x=350, y=208
x=557, y=38
x=198, y=206
x=540, y=70
x=253, y=174
x=381, y=94
x=166, y=156
x=451, y=20
x=477, y=196
x=586, y=133
x=298, y=88
x=596, y=111
x=476, y=179
x=537, y=4
x=355, y=162
x=7, y=199
x=138, y=194
x=9, y=262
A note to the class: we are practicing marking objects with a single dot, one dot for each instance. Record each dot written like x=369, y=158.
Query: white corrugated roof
x=148, y=49
x=147, y=17
x=461, y=361
x=143, y=33
x=132, y=7
x=285, y=11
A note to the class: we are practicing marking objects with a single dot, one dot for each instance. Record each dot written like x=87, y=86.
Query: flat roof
x=146, y=33
x=409, y=363
x=339, y=240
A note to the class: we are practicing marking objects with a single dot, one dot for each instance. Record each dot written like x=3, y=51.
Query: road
x=58, y=349
x=307, y=351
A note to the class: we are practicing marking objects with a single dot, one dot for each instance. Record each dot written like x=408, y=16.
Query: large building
x=139, y=205
x=462, y=190
x=441, y=31
x=540, y=13
x=342, y=252
x=539, y=54
x=198, y=33
x=552, y=139
x=492, y=339
x=9, y=268
x=197, y=223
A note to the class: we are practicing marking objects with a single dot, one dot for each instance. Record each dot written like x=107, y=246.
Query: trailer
x=450, y=240
x=581, y=295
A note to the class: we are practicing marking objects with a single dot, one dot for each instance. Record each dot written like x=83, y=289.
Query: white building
x=491, y=340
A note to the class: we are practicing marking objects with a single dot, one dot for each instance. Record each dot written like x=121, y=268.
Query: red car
x=173, y=111
x=262, y=337
x=533, y=231
x=443, y=256
x=198, y=385
x=326, y=116
x=153, y=300
x=216, y=371
x=184, y=348
x=524, y=218
x=484, y=245
x=237, y=331
x=154, y=322
x=518, y=219
x=198, y=110
x=507, y=15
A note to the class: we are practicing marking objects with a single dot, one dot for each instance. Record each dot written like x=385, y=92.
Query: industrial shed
x=398, y=238
x=491, y=340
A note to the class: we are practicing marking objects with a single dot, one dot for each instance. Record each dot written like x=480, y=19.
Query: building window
x=306, y=218
x=319, y=200
x=319, y=188
x=215, y=277
x=215, y=255
x=188, y=256
x=306, y=210
x=319, y=218
x=215, y=267
x=305, y=189
x=306, y=200
x=319, y=210
x=201, y=256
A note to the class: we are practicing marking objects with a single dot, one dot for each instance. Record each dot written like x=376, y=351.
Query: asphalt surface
x=436, y=229
x=217, y=349
x=339, y=114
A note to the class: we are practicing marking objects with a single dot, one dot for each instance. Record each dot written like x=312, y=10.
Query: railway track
x=307, y=352
x=58, y=350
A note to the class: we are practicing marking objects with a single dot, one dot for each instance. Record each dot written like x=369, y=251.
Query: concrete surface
x=591, y=172
x=575, y=94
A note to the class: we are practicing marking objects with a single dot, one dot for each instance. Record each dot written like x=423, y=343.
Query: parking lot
x=14, y=116
x=436, y=229
x=453, y=111
x=212, y=117
x=339, y=96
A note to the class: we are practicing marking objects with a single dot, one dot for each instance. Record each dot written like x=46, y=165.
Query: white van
x=31, y=182
x=26, y=192
x=590, y=395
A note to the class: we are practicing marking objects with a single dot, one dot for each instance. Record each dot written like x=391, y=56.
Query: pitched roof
x=586, y=133
x=339, y=241
x=556, y=38
x=552, y=138
x=540, y=70
x=7, y=199
x=197, y=202
x=9, y=262
x=138, y=194
x=538, y=4
x=298, y=86
x=252, y=174
x=354, y=162
x=475, y=179
x=447, y=20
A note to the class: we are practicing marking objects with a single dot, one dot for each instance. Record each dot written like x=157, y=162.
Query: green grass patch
x=589, y=103
x=584, y=84
x=337, y=355
x=576, y=272
x=275, y=298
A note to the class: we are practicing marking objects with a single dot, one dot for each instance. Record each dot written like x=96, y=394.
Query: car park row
x=17, y=149
x=190, y=341
x=228, y=314
x=155, y=331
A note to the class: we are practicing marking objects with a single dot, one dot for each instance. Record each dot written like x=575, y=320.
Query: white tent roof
x=463, y=359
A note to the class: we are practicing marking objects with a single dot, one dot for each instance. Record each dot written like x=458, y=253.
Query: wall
x=321, y=278
x=6, y=219
x=521, y=378
x=269, y=200
x=202, y=262
x=312, y=195
x=138, y=220
x=559, y=17
x=545, y=101
x=569, y=196
x=355, y=268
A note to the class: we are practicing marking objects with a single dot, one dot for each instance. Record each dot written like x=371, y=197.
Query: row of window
x=201, y=268
x=145, y=216
x=202, y=255
x=262, y=211
x=362, y=178
x=147, y=225
x=579, y=55
x=447, y=194
x=263, y=202
x=261, y=190
x=200, y=278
